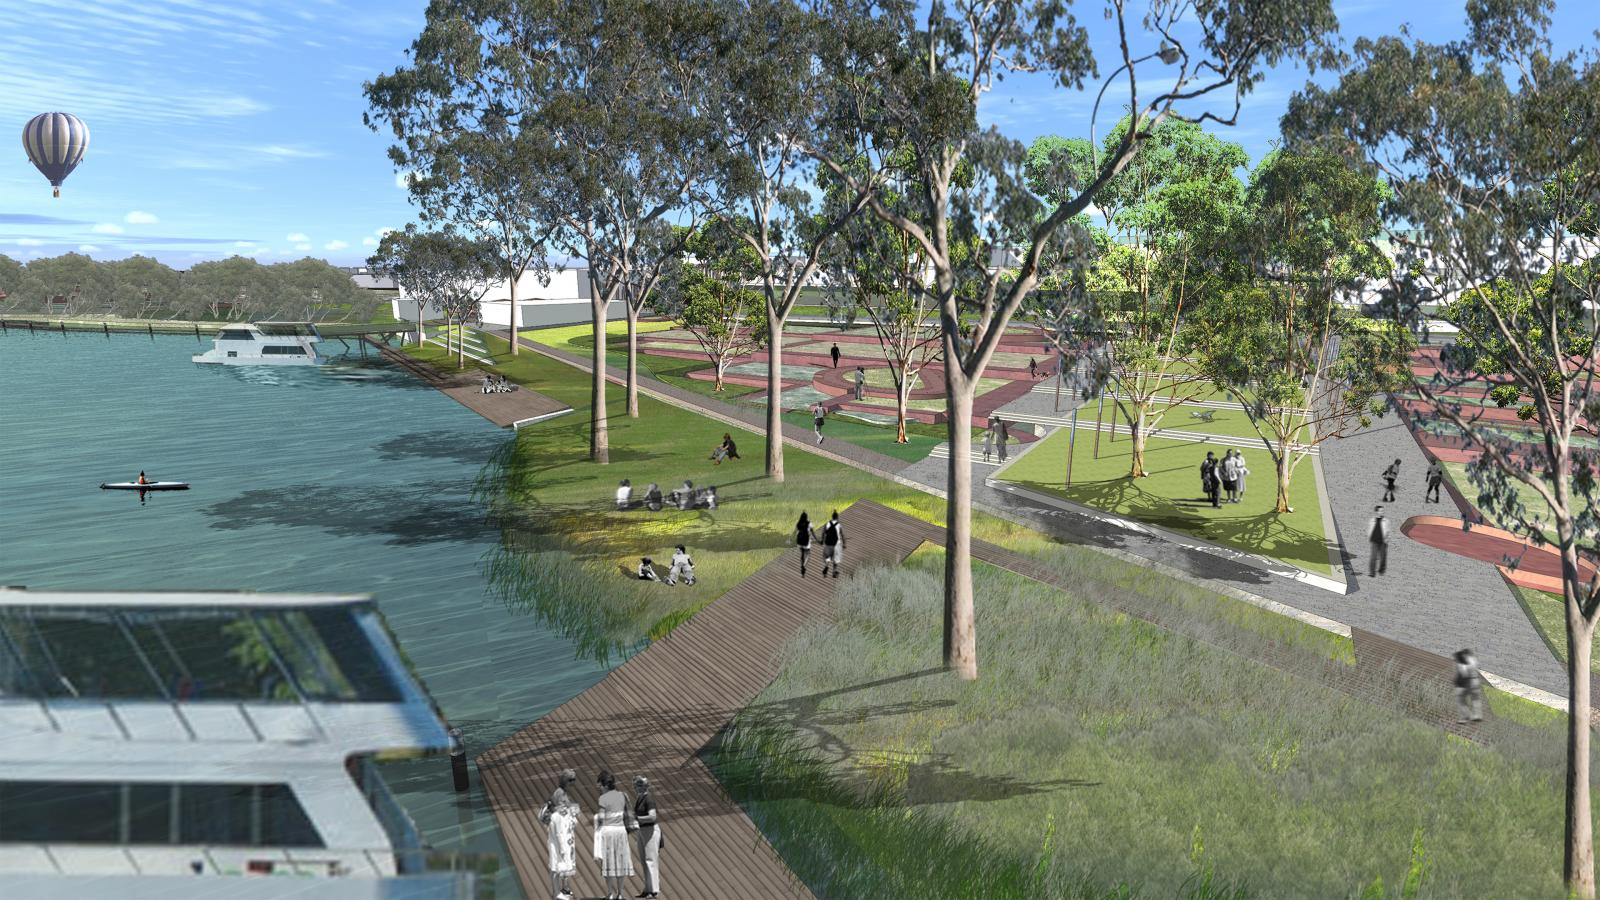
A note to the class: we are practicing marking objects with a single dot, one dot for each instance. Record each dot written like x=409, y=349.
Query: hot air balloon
x=55, y=142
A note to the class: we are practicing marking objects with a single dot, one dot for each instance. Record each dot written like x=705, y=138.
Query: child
x=563, y=849
x=647, y=570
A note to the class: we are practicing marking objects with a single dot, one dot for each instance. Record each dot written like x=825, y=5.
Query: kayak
x=147, y=486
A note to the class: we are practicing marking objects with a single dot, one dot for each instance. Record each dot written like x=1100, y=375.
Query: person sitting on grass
x=727, y=450
x=647, y=570
x=683, y=498
x=682, y=566
x=707, y=498
x=652, y=498
x=624, y=494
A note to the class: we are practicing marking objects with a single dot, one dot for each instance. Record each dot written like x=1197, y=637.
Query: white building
x=565, y=300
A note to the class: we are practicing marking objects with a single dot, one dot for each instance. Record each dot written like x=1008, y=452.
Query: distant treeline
x=233, y=289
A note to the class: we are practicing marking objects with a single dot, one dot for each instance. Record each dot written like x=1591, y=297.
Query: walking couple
x=832, y=538
x=615, y=819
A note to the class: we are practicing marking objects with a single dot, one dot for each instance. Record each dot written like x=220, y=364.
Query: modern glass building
x=159, y=742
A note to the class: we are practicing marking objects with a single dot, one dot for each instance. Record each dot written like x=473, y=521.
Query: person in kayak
x=142, y=479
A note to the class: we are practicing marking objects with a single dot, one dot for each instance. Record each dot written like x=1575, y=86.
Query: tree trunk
x=960, y=634
x=1578, y=861
x=461, y=343
x=633, y=362
x=774, y=395
x=1282, y=464
x=516, y=317
x=599, y=437
x=1136, y=433
x=902, y=398
x=420, y=337
x=722, y=365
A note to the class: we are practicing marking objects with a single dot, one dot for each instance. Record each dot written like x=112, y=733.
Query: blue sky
x=235, y=126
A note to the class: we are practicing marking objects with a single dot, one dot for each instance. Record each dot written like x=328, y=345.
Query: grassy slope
x=873, y=767
x=1170, y=496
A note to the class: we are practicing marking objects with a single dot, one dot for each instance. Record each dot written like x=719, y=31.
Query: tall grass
x=1166, y=766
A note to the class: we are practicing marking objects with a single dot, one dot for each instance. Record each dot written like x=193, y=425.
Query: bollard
x=458, y=760
x=107, y=328
x=197, y=332
x=63, y=327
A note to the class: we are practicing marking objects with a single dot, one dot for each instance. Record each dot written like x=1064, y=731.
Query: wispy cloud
x=297, y=238
x=139, y=217
x=302, y=247
x=88, y=248
x=335, y=245
x=107, y=228
x=30, y=219
x=278, y=151
x=369, y=242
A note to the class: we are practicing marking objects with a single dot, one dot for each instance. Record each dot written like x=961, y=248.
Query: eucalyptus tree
x=457, y=122
x=429, y=266
x=765, y=102
x=312, y=289
x=910, y=78
x=239, y=283
x=73, y=276
x=10, y=281
x=141, y=285
x=1279, y=341
x=1487, y=146
x=711, y=300
x=1144, y=289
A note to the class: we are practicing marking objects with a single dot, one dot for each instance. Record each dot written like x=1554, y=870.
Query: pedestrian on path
x=803, y=536
x=1000, y=441
x=1033, y=368
x=818, y=414
x=648, y=835
x=861, y=383
x=1390, y=475
x=1435, y=479
x=832, y=546
x=1209, y=482
x=1378, y=543
x=988, y=443
x=834, y=352
x=1469, y=687
x=611, y=836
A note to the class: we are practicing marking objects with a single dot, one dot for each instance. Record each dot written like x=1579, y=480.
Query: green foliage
x=443, y=270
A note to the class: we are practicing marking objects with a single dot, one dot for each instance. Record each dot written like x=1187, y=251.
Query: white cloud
x=138, y=217
x=383, y=231
x=335, y=245
x=369, y=242
x=107, y=228
x=88, y=248
x=297, y=238
x=28, y=242
x=302, y=247
x=402, y=180
x=279, y=151
x=244, y=243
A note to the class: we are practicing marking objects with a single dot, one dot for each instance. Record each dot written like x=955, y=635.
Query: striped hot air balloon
x=55, y=142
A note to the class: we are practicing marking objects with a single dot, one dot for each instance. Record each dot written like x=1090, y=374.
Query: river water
x=348, y=478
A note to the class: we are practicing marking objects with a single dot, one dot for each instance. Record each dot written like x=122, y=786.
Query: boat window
x=74, y=812
x=273, y=350
x=236, y=336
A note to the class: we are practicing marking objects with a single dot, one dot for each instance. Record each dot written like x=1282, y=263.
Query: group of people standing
x=1223, y=476
x=616, y=818
x=995, y=438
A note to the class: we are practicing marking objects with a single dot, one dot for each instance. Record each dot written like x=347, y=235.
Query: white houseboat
x=264, y=344
x=187, y=745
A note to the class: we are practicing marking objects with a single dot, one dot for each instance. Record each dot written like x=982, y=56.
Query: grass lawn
x=1548, y=613
x=565, y=545
x=1058, y=773
x=1169, y=497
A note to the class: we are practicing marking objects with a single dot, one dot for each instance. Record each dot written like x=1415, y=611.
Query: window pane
x=350, y=647
x=59, y=812
x=152, y=642
x=16, y=678
x=215, y=813
x=93, y=654
x=283, y=822
x=150, y=814
x=32, y=655
x=224, y=656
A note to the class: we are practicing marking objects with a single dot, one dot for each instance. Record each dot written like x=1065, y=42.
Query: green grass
x=1098, y=754
x=1548, y=613
x=1169, y=497
x=565, y=545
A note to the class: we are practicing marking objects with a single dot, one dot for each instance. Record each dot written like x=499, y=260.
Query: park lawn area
x=1233, y=422
x=564, y=545
x=919, y=443
x=1534, y=504
x=1056, y=774
x=1169, y=497
x=1548, y=613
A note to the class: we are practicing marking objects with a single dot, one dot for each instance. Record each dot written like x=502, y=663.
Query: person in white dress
x=563, y=846
x=611, y=848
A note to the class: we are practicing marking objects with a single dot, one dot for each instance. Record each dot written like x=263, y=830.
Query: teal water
x=351, y=478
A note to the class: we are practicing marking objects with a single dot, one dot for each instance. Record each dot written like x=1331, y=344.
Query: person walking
x=818, y=414
x=1435, y=479
x=1378, y=541
x=611, y=836
x=1390, y=475
x=832, y=546
x=648, y=835
x=1469, y=687
x=1033, y=368
x=802, y=539
x=988, y=443
x=834, y=352
x=1000, y=442
x=861, y=383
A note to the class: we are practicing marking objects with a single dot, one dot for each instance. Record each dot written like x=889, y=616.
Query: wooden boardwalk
x=653, y=714
x=509, y=410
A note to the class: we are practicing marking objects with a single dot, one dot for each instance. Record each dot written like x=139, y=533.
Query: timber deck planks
x=507, y=410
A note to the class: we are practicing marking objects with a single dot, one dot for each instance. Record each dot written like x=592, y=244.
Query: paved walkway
x=511, y=409
x=1430, y=599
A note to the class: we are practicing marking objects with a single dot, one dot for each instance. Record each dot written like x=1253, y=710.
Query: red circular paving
x=1537, y=567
